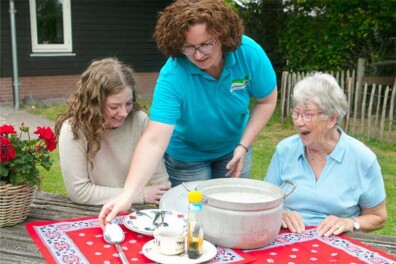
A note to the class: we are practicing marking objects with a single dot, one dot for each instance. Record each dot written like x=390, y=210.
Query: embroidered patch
x=239, y=84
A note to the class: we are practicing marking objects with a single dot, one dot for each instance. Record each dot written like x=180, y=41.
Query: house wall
x=62, y=86
x=100, y=28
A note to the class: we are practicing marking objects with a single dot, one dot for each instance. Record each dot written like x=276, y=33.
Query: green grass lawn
x=264, y=147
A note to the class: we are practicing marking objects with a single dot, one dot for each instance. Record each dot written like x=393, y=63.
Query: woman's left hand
x=153, y=193
x=235, y=165
x=333, y=225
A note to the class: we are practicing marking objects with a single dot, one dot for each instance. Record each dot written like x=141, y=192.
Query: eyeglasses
x=204, y=49
x=305, y=117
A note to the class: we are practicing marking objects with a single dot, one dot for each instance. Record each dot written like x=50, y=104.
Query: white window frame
x=52, y=48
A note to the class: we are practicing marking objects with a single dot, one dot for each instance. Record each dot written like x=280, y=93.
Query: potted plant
x=20, y=156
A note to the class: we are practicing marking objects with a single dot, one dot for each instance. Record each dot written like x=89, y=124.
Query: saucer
x=142, y=220
x=151, y=252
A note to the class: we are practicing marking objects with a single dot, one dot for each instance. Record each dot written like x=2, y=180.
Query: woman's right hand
x=110, y=210
x=292, y=220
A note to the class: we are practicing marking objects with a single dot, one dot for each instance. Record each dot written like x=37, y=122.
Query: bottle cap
x=195, y=196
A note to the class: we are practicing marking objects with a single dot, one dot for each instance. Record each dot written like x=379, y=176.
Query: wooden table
x=16, y=246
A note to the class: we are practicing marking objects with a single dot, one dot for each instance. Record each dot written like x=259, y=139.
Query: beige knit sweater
x=105, y=181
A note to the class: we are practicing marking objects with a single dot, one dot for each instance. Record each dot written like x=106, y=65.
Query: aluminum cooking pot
x=242, y=213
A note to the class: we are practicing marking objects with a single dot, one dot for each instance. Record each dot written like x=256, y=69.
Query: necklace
x=312, y=158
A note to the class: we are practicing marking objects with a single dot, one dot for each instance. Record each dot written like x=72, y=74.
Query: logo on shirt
x=239, y=84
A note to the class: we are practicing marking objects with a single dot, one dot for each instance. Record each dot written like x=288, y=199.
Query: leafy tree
x=332, y=34
x=263, y=22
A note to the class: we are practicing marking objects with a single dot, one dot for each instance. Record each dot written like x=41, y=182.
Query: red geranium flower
x=20, y=155
x=7, y=129
x=49, y=137
x=7, y=152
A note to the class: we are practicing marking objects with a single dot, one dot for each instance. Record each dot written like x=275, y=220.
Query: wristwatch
x=356, y=225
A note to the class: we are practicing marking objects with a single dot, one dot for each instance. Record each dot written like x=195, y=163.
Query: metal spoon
x=113, y=234
x=186, y=187
x=138, y=212
x=154, y=224
x=162, y=220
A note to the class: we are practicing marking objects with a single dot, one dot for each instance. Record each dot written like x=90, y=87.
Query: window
x=50, y=22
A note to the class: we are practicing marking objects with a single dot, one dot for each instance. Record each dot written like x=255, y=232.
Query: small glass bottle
x=194, y=228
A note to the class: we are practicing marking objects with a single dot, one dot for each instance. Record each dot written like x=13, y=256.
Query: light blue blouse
x=351, y=179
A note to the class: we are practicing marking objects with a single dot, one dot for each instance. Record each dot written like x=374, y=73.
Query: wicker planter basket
x=15, y=203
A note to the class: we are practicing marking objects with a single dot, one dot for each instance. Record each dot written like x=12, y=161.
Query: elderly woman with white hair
x=340, y=187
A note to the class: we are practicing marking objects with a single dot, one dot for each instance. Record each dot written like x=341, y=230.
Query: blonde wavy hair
x=173, y=22
x=86, y=107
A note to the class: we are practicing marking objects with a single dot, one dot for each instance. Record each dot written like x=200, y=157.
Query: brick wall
x=146, y=82
x=48, y=87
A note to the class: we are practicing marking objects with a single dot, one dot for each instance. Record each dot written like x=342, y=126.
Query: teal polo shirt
x=210, y=115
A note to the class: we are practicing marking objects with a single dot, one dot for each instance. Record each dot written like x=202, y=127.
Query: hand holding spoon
x=113, y=234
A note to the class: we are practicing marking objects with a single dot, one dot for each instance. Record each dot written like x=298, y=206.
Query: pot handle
x=294, y=186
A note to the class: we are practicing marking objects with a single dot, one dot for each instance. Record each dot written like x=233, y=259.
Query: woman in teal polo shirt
x=200, y=114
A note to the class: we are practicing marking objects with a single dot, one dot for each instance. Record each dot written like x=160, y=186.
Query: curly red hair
x=173, y=22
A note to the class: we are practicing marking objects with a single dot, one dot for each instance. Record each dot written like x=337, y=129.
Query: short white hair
x=323, y=90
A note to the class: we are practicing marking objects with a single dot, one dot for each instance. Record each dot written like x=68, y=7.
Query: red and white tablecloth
x=81, y=241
